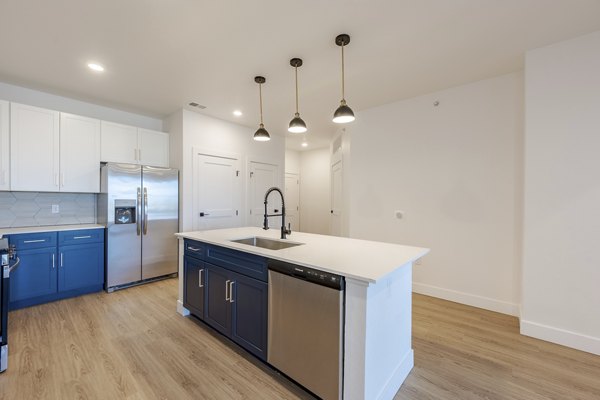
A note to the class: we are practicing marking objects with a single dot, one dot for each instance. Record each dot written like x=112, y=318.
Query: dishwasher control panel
x=333, y=281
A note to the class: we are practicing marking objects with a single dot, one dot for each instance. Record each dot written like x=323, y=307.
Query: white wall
x=561, y=262
x=315, y=199
x=455, y=171
x=36, y=98
x=292, y=162
x=192, y=130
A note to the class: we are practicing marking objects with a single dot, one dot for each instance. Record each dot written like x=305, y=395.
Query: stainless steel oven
x=6, y=255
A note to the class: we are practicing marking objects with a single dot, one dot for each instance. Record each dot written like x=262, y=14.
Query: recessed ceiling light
x=304, y=144
x=96, y=67
x=237, y=113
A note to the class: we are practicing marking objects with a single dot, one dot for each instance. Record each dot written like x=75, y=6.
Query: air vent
x=193, y=104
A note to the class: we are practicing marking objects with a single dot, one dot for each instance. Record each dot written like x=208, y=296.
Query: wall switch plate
x=55, y=208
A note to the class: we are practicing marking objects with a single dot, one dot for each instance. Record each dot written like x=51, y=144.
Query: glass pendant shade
x=343, y=114
x=261, y=134
x=297, y=125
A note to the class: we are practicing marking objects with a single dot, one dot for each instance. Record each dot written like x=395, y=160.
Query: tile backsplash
x=19, y=209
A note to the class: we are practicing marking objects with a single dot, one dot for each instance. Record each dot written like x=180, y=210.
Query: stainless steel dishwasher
x=306, y=327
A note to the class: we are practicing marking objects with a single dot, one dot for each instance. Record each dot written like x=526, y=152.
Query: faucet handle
x=289, y=229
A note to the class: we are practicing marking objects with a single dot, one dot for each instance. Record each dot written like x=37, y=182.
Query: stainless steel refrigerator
x=140, y=207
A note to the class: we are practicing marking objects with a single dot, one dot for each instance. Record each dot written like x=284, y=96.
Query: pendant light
x=343, y=114
x=297, y=125
x=261, y=133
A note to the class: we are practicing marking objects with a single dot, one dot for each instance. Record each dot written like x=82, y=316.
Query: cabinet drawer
x=28, y=241
x=238, y=261
x=80, y=236
x=194, y=249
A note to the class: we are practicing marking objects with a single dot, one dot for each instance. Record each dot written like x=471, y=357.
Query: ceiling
x=161, y=54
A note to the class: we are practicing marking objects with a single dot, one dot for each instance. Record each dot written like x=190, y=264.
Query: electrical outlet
x=55, y=208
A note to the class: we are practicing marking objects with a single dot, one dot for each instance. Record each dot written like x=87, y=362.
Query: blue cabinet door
x=249, y=314
x=80, y=266
x=194, y=273
x=217, y=310
x=35, y=276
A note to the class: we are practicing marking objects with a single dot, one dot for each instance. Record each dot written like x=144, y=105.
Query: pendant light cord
x=260, y=96
x=343, y=91
x=296, y=70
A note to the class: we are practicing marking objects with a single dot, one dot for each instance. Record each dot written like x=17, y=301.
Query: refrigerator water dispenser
x=125, y=212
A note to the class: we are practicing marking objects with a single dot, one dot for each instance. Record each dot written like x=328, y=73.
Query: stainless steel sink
x=266, y=243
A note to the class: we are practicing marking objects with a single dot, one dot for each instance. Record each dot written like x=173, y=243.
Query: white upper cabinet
x=153, y=148
x=128, y=144
x=4, y=143
x=79, y=154
x=34, y=148
x=118, y=143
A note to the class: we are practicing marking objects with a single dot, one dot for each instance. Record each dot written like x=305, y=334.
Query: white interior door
x=262, y=177
x=217, y=192
x=336, y=198
x=292, y=200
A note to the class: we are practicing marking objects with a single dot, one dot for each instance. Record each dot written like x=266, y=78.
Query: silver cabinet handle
x=137, y=211
x=193, y=248
x=34, y=241
x=62, y=179
x=135, y=157
x=145, y=221
x=227, y=290
x=231, y=291
x=52, y=260
x=82, y=237
x=200, y=278
x=61, y=259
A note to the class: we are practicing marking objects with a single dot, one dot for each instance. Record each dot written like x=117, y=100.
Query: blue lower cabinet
x=35, y=276
x=80, y=266
x=236, y=306
x=249, y=314
x=217, y=312
x=194, y=273
x=47, y=272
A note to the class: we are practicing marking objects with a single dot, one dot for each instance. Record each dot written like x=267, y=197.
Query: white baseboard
x=393, y=384
x=486, y=303
x=181, y=309
x=563, y=337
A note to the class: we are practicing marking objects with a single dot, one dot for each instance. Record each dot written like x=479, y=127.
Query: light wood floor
x=131, y=344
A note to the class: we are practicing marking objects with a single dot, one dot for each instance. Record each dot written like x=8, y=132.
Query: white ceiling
x=161, y=54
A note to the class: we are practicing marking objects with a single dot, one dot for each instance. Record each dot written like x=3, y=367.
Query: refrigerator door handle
x=145, y=221
x=137, y=211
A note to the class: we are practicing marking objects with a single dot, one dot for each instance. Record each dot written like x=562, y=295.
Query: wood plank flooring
x=131, y=344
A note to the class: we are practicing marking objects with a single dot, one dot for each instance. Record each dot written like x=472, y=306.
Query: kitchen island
x=377, y=353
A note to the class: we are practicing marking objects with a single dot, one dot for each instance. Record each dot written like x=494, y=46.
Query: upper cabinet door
x=119, y=143
x=4, y=150
x=153, y=148
x=34, y=145
x=79, y=154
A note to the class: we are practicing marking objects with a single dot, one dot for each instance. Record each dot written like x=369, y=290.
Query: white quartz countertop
x=353, y=258
x=48, y=228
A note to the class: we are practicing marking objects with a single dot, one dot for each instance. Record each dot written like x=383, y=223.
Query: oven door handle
x=14, y=266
